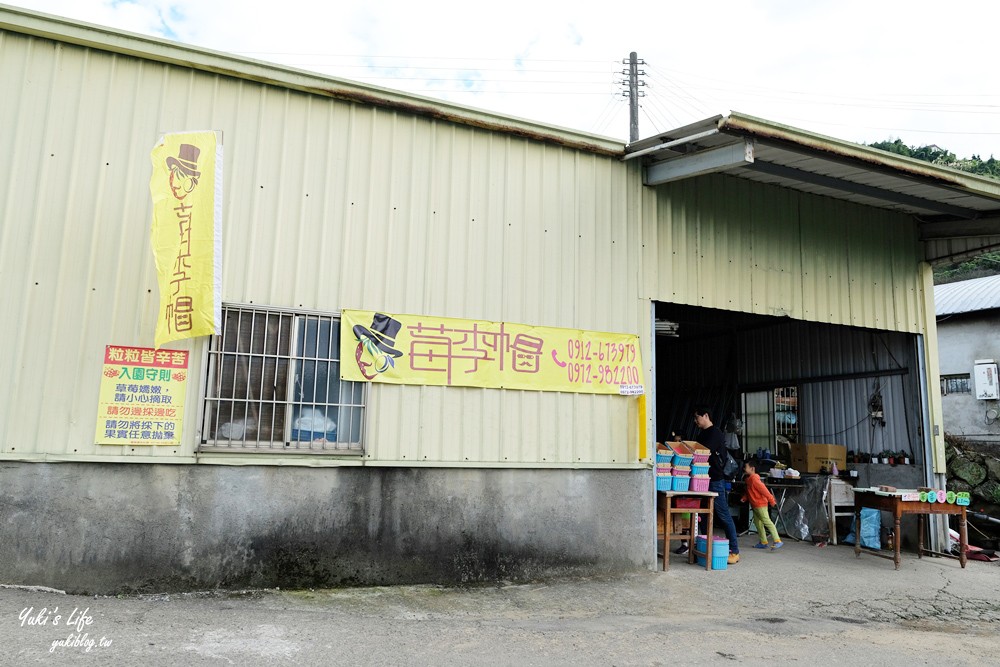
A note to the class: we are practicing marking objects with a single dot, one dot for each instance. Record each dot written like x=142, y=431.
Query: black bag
x=730, y=466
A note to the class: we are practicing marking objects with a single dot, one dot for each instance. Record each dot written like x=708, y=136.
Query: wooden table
x=668, y=509
x=898, y=507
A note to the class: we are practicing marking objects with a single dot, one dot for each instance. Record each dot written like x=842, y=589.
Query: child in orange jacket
x=760, y=498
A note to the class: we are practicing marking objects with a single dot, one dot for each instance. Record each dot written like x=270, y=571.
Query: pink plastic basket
x=699, y=483
x=700, y=454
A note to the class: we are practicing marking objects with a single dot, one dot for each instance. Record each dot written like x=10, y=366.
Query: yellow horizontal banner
x=424, y=350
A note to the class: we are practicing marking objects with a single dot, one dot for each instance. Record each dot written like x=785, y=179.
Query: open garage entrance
x=774, y=382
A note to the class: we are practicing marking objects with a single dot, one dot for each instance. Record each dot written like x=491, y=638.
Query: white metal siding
x=722, y=242
x=328, y=205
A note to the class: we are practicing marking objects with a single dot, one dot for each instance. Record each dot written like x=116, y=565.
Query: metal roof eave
x=742, y=125
x=59, y=29
x=699, y=148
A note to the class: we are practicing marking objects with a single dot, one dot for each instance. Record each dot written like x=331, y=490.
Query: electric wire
x=662, y=110
x=608, y=111
x=679, y=92
x=411, y=58
x=645, y=112
x=600, y=116
x=871, y=100
x=656, y=111
x=675, y=93
x=609, y=119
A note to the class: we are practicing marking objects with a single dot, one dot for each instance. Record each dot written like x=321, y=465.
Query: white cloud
x=858, y=70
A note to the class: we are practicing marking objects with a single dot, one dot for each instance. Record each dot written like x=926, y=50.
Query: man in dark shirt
x=713, y=440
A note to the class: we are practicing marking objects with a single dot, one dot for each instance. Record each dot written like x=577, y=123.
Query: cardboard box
x=814, y=457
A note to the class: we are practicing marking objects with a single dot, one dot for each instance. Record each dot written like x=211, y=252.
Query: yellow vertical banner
x=186, y=188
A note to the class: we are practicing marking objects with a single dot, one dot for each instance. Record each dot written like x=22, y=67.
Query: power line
x=649, y=117
x=800, y=97
x=452, y=69
x=654, y=106
x=416, y=58
x=678, y=97
x=483, y=80
x=608, y=108
x=742, y=85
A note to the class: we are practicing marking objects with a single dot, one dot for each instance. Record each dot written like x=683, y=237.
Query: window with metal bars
x=274, y=385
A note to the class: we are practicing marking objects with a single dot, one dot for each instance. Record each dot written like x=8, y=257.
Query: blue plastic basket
x=681, y=483
x=720, y=552
x=664, y=483
x=682, y=459
x=699, y=469
x=664, y=458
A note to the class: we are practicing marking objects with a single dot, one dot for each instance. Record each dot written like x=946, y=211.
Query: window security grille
x=786, y=412
x=274, y=385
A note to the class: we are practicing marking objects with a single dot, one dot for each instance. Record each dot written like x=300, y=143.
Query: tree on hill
x=937, y=155
x=987, y=264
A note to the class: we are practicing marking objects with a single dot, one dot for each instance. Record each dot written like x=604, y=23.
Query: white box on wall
x=985, y=377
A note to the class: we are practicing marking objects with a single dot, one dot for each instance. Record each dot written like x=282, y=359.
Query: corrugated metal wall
x=328, y=205
x=834, y=408
x=723, y=242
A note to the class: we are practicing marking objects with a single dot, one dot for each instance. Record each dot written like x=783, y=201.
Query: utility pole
x=633, y=93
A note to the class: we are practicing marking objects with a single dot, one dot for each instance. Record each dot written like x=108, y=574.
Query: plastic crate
x=700, y=483
x=699, y=468
x=664, y=483
x=720, y=552
x=680, y=483
x=312, y=436
x=682, y=455
x=664, y=458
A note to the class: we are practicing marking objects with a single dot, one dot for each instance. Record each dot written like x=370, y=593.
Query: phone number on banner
x=605, y=363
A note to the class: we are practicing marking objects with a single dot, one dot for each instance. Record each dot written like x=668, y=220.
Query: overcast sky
x=861, y=70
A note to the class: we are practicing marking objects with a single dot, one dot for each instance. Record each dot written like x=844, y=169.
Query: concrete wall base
x=113, y=528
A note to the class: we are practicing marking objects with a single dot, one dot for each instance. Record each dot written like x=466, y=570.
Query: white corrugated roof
x=967, y=296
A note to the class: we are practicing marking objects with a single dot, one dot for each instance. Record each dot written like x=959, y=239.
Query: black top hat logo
x=383, y=333
x=186, y=161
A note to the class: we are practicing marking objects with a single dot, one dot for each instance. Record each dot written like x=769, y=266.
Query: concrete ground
x=805, y=604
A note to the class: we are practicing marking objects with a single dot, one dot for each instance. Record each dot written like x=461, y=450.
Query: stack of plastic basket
x=682, y=466
x=720, y=552
x=699, y=477
x=664, y=470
